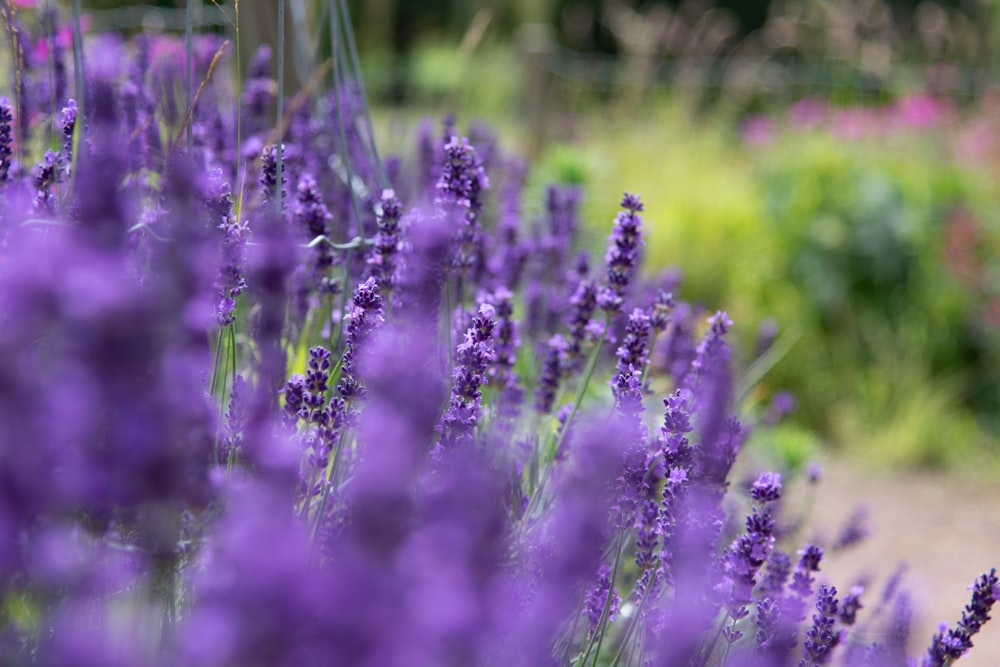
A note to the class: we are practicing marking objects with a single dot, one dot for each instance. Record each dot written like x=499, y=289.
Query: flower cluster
x=237, y=435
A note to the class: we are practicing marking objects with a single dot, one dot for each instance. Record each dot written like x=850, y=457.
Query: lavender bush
x=330, y=428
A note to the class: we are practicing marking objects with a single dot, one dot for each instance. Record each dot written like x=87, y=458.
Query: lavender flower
x=583, y=303
x=382, y=262
x=473, y=358
x=507, y=343
x=269, y=175
x=802, y=581
x=622, y=257
x=6, y=140
x=461, y=185
x=748, y=553
x=364, y=317
x=548, y=379
x=850, y=605
x=626, y=384
x=602, y=600
x=821, y=638
x=952, y=644
x=45, y=178
x=67, y=122
x=231, y=280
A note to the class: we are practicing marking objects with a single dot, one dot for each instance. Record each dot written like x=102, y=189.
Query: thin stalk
x=218, y=360
x=189, y=65
x=634, y=623
x=606, y=610
x=50, y=48
x=337, y=53
x=729, y=644
x=81, y=101
x=281, y=97
x=710, y=647
x=582, y=390
x=356, y=68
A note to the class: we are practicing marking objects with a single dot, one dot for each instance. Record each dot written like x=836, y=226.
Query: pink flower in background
x=809, y=112
x=919, y=111
x=855, y=123
x=758, y=130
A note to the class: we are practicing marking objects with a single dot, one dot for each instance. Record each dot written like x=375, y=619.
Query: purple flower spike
x=461, y=184
x=548, y=380
x=269, y=174
x=382, y=262
x=473, y=358
x=821, y=638
x=767, y=488
x=952, y=644
x=622, y=257
x=850, y=605
x=67, y=122
x=45, y=178
x=6, y=139
x=363, y=319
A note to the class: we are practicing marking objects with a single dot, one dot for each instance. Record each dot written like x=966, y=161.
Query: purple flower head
x=473, y=358
x=822, y=636
x=632, y=357
x=382, y=262
x=745, y=557
x=551, y=374
x=507, y=344
x=782, y=404
x=779, y=568
x=850, y=605
x=6, y=139
x=269, y=174
x=45, y=178
x=583, y=303
x=67, y=123
x=461, y=185
x=855, y=530
x=951, y=644
x=622, y=257
x=767, y=488
x=314, y=218
x=802, y=579
x=601, y=601
x=363, y=318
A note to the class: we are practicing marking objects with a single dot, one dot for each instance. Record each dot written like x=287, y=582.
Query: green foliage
x=847, y=245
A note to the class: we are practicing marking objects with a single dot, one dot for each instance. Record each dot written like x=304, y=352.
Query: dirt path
x=945, y=528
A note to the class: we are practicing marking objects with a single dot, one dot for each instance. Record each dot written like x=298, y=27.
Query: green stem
x=602, y=625
x=281, y=100
x=189, y=66
x=78, y=59
x=582, y=390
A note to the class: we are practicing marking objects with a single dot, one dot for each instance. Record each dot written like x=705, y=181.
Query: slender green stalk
x=597, y=640
x=281, y=99
x=189, y=64
x=582, y=390
x=337, y=49
x=81, y=101
x=355, y=65
x=50, y=28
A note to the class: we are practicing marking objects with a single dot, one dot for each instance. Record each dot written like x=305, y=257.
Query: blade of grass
x=189, y=65
x=360, y=82
x=189, y=112
x=281, y=99
x=81, y=99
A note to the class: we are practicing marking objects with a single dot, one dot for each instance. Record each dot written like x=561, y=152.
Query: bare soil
x=943, y=526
